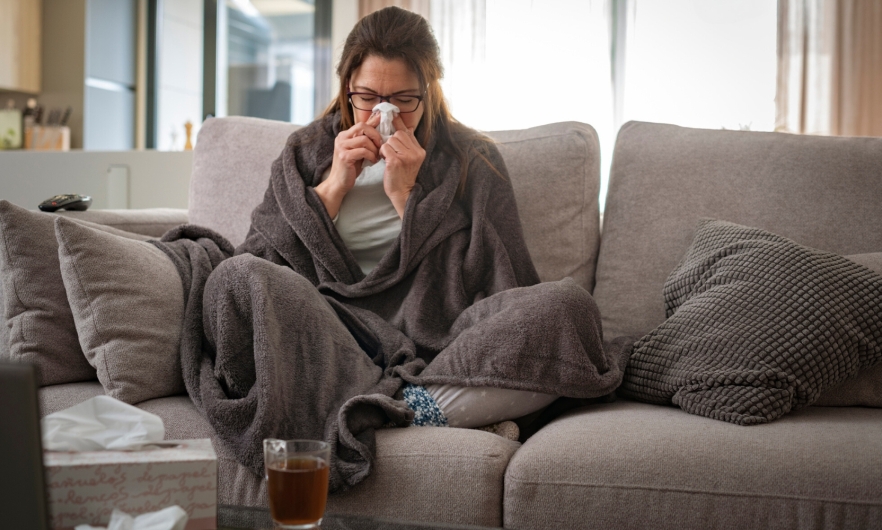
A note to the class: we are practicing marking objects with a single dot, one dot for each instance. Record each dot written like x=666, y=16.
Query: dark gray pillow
x=864, y=389
x=757, y=326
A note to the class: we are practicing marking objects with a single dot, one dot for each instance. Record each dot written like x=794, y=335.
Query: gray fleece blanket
x=455, y=300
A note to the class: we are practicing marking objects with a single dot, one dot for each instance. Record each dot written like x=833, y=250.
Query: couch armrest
x=149, y=221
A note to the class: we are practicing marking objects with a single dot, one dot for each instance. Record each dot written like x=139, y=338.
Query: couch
x=622, y=464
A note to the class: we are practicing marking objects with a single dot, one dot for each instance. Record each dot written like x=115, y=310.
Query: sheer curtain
x=700, y=63
x=366, y=7
x=512, y=64
x=520, y=63
x=461, y=30
x=830, y=67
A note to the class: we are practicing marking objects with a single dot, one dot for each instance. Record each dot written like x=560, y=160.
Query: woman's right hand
x=351, y=148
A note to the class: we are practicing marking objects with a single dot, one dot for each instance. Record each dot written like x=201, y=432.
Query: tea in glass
x=297, y=474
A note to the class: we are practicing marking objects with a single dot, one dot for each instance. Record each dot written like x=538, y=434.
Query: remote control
x=70, y=201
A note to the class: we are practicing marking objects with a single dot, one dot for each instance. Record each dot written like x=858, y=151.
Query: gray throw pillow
x=127, y=301
x=864, y=389
x=37, y=322
x=757, y=326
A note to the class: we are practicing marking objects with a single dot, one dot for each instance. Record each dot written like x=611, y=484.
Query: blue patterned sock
x=427, y=411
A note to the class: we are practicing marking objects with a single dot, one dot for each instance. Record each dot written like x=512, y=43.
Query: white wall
x=117, y=179
x=179, y=71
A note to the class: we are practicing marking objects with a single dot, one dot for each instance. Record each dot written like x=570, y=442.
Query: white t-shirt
x=367, y=221
x=368, y=224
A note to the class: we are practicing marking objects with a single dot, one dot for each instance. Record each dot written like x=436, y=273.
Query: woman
x=356, y=303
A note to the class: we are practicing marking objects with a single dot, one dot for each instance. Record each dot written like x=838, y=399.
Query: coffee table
x=247, y=518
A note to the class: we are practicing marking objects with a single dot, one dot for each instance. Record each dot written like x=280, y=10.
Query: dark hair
x=395, y=33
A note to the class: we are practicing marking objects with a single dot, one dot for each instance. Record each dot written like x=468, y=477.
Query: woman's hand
x=404, y=156
x=351, y=148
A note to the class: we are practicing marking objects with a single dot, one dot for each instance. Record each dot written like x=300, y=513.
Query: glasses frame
x=386, y=99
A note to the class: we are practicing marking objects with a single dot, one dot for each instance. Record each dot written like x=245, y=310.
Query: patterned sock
x=427, y=412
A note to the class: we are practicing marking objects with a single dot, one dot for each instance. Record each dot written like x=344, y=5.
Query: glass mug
x=297, y=481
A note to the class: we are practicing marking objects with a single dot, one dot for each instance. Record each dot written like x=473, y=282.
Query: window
x=702, y=63
x=260, y=58
x=520, y=63
x=266, y=70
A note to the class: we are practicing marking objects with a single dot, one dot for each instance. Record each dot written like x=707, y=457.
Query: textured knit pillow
x=38, y=325
x=864, y=389
x=127, y=301
x=757, y=326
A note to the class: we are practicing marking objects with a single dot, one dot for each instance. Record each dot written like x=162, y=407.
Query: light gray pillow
x=37, y=322
x=128, y=306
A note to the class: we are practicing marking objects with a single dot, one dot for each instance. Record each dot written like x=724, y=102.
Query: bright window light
x=702, y=63
x=512, y=64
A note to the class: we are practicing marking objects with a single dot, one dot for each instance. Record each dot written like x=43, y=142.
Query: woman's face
x=385, y=77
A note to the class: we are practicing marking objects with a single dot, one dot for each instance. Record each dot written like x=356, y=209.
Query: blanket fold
x=285, y=336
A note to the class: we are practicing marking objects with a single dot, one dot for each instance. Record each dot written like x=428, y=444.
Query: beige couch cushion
x=59, y=397
x=439, y=474
x=151, y=222
x=422, y=473
x=555, y=172
x=231, y=170
x=821, y=192
x=633, y=465
x=554, y=169
x=432, y=474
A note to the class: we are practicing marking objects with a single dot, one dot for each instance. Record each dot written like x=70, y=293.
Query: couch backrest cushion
x=231, y=169
x=821, y=192
x=555, y=172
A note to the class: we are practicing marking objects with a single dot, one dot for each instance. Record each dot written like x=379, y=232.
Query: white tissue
x=101, y=423
x=171, y=518
x=387, y=112
x=371, y=173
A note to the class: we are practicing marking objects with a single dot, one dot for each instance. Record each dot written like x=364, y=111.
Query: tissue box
x=84, y=488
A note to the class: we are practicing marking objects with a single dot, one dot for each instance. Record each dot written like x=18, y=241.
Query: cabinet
x=89, y=66
x=20, y=45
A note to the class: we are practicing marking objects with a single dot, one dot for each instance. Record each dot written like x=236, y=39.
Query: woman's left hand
x=404, y=156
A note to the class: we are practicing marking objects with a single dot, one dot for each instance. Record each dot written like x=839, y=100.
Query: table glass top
x=246, y=518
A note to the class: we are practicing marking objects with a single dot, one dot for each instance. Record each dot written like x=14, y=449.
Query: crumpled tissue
x=371, y=173
x=101, y=423
x=387, y=112
x=171, y=518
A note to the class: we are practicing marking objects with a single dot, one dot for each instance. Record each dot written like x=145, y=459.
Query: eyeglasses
x=367, y=101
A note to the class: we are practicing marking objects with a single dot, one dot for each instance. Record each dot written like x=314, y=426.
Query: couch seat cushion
x=437, y=474
x=635, y=465
x=433, y=474
x=59, y=397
